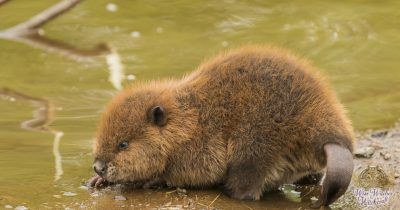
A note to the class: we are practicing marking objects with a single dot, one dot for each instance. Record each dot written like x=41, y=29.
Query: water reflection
x=43, y=116
x=58, y=47
x=351, y=42
x=30, y=33
x=116, y=69
x=32, y=25
x=57, y=155
x=3, y=2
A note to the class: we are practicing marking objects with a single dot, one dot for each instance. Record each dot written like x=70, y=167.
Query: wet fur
x=251, y=118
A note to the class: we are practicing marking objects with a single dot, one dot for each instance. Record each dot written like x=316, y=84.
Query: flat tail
x=339, y=170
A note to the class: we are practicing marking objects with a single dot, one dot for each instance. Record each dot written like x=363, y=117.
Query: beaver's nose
x=99, y=167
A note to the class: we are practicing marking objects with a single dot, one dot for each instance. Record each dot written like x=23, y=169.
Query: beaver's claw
x=96, y=181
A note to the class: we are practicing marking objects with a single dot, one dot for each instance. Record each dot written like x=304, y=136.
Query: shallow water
x=355, y=43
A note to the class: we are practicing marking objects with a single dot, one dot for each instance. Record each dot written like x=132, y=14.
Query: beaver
x=250, y=119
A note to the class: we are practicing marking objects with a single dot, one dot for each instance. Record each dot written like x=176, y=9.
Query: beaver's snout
x=99, y=167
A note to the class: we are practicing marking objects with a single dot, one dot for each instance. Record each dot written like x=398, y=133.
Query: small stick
x=311, y=190
x=3, y=2
x=247, y=206
x=202, y=204
x=31, y=26
x=170, y=192
x=28, y=33
x=214, y=200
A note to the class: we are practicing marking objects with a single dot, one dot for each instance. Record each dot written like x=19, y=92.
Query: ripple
x=234, y=23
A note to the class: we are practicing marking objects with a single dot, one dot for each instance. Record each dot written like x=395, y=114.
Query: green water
x=356, y=44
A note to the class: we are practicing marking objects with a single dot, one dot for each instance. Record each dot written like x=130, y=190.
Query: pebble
x=181, y=190
x=120, y=198
x=396, y=175
x=364, y=152
x=377, y=146
x=379, y=134
x=83, y=187
x=386, y=155
x=95, y=194
x=21, y=208
x=8, y=207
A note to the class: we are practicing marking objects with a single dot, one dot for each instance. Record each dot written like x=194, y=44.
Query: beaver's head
x=137, y=133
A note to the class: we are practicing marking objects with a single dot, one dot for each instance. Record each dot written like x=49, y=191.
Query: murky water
x=45, y=158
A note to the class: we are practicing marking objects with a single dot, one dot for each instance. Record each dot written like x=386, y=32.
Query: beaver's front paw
x=97, y=182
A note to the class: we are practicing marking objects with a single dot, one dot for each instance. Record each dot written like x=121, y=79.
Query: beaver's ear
x=158, y=116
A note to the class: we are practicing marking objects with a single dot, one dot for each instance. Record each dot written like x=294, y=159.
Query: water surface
x=355, y=44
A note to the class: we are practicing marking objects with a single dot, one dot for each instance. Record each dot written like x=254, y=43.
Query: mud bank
x=376, y=182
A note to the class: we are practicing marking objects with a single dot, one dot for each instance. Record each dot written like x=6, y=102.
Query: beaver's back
x=269, y=97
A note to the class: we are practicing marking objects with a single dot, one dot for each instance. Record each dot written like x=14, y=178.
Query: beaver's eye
x=123, y=145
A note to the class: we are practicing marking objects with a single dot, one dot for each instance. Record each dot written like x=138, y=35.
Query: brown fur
x=251, y=118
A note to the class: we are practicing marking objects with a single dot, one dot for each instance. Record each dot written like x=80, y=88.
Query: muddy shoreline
x=376, y=161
